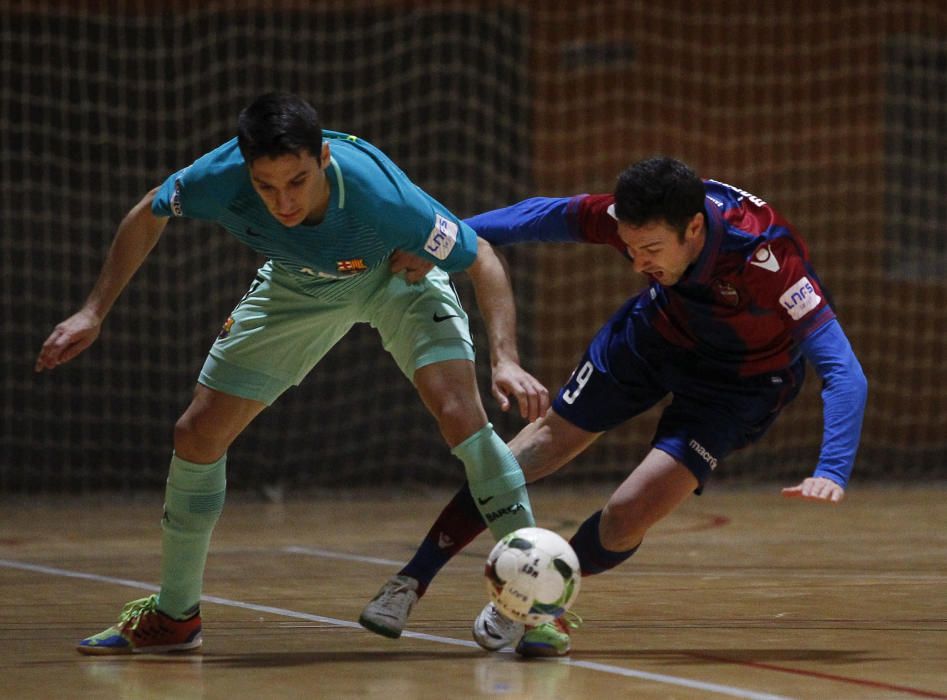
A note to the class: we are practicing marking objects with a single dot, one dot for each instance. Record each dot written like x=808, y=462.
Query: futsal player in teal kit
x=732, y=314
x=330, y=212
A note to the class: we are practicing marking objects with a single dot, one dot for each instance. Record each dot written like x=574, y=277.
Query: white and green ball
x=532, y=575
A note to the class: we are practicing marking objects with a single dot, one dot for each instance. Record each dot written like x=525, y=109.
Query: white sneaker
x=388, y=611
x=493, y=630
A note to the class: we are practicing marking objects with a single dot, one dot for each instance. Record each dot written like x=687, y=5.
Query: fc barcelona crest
x=351, y=267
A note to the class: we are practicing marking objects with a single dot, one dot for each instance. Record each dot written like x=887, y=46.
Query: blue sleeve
x=413, y=221
x=844, y=393
x=405, y=215
x=199, y=190
x=537, y=219
x=168, y=200
x=450, y=243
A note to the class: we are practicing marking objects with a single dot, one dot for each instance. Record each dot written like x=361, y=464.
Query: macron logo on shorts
x=442, y=239
x=703, y=454
x=800, y=299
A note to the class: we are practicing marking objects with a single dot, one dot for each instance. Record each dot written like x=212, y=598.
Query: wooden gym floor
x=739, y=594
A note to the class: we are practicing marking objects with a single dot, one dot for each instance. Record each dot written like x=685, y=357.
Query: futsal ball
x=532, y=575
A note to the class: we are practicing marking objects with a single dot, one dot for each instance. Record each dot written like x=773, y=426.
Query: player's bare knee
x=195, y=444
x=458, y=417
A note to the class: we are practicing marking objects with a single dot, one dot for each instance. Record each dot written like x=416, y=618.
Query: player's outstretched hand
x=816, y=488
x=414, y=266
x=531, y=395
x=68, y=339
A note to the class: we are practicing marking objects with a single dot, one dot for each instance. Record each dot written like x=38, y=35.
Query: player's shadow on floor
x=677, y=657
x=282, y=659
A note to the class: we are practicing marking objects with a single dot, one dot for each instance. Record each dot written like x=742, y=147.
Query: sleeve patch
x=442, y=239
x=176, y=207
x=800, y=299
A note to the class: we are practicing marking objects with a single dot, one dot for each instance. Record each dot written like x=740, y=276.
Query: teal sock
x=194, y=499
x=496, y=482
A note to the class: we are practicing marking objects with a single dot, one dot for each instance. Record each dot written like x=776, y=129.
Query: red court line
x=817, y=674
x=710, y=522
x=706, y=522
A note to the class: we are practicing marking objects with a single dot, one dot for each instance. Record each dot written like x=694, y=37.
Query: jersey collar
x=701, y=271
x=338, y=192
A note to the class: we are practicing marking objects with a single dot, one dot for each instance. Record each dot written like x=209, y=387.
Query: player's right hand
x=68, y=339
x=816, y=488
x=414, y=267
x=531, y=395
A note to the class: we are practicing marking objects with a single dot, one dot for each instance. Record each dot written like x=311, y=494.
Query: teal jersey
x=373, y=210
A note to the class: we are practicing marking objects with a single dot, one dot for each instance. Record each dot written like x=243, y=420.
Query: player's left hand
x=816, y=488
x=414, y=266
x=531, y=395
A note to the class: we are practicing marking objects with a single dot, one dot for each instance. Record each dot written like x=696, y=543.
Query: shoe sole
x=493, y=646
x=486, y=648
x=378, y=628
x=191, y=646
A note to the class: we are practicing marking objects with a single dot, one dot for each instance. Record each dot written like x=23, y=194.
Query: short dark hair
x=659, y=188
x=276, y=124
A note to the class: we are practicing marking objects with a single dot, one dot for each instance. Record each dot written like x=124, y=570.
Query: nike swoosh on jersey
x=439, y=319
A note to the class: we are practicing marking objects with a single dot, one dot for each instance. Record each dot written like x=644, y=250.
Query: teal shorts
x=281, y=329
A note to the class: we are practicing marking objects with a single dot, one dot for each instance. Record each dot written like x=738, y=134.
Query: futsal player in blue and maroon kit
x=732, y=314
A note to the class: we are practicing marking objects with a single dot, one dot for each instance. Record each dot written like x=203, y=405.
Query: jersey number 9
x=581, y=377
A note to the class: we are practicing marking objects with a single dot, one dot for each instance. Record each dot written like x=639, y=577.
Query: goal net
x=835, y=112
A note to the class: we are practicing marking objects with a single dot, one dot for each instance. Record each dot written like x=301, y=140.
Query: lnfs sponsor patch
x=800, y=299
x=442, y=239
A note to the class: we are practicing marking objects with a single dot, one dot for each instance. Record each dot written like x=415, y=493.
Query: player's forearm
x=844, y=395
x=494, y=294
x=136, y=236
x=535, y=219
x=843, y=401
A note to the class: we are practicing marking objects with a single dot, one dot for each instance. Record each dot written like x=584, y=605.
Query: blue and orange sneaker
x=142, y=628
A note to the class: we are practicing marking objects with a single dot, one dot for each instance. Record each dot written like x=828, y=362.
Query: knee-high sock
x=496, y=482
x=593, y=557
x=456, y=527
x=194, y=499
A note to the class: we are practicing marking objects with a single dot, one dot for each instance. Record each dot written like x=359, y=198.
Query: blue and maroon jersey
x=749, y=305
x=745, y=304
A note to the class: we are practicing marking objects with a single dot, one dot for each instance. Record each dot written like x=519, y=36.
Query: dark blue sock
x=593, y=557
